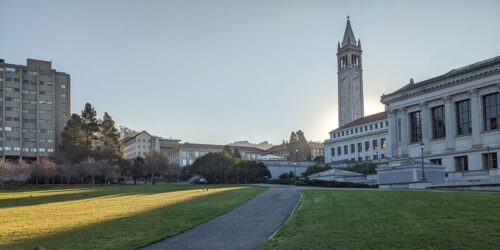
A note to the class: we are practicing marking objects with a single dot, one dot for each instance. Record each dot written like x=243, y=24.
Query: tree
x=89, y=167
x=137, y=169
x=73, y=140
x=108, y=139
x=227, y=149
x=298, y=147
x=156, y=164
x=214, y=167
x=90, y=127
x=236, y=154
x=48, y=168
x=319, y=159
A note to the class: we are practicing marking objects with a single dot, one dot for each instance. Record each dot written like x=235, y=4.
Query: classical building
x=139, y=144
x=35, y=109
x=454, y=118
x=363, y=139
x=317, y=149
x=350, y=77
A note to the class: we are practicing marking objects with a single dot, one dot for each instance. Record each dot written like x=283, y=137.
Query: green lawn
x=113, y=217
x=348, y=219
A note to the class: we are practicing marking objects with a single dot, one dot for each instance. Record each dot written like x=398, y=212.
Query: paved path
x=245, y=227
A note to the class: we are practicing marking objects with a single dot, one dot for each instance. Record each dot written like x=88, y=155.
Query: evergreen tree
x=73, y=140
x=236, y=154
x=90, y=127
x=108, y=140
x=304, y=150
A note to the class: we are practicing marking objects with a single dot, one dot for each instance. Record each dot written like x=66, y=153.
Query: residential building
x=141, y=143
x=317, y=149
x=36, y=105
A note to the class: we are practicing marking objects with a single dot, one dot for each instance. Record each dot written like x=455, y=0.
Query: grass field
x=350, y=219
x=115, y=217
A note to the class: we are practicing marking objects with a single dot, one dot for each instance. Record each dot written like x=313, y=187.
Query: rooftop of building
x=364, y=120
x=450, y=74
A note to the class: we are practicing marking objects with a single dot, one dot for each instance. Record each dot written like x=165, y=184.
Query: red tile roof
x=364, y=120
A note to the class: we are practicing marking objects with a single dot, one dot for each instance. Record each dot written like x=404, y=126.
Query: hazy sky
x=221, y=71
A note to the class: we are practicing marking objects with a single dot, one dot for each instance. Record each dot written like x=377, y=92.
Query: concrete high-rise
x=350, y=77
x=35, y=109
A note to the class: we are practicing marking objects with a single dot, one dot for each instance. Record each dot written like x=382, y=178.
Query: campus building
x=35, y=108
x=185, y=154
x=454, y=118
x=139, y=144
x=364, y=139
x=358, y=138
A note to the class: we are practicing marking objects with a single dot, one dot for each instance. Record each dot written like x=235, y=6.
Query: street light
x=422, y=145
x=488, y=166
x=296, y=162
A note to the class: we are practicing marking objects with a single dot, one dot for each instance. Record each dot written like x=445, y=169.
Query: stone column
x=392, y=141
x=404, y=132
x=476, y=118
x=426, y=126
x=448, y=123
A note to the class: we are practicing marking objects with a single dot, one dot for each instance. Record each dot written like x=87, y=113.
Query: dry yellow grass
x=37, y=223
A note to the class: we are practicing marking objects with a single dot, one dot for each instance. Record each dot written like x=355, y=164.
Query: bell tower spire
x=350, y=77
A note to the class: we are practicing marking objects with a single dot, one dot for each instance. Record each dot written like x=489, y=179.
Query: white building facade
x=454, y=119
x=364, y=139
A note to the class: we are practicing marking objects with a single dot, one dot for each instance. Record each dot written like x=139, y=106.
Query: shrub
x=337, y=184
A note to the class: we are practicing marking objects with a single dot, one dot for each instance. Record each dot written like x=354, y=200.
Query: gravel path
x=245, y=227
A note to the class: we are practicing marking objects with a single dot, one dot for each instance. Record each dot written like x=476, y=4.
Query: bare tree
x=91, y=168
x=156, y=163
x=48, y=168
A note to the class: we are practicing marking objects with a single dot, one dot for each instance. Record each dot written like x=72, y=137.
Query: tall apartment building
x=35, y=109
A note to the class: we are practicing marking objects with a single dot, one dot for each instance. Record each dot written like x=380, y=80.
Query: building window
x=382, y=143
x=339, y=150
x=437, y=161
x=491, y=110
x=360, y=146
x=333, y=151
x=367, y=145
x=382, y=156
x=375, y=157
x=438, y=125
x=353, y=149
x=415, y=127
x=490, y=161
x=367, y=157
x=376, y=125
x=375, y=144
x=346, y=150
x=461, y=163
x=360, y=158
x=371, y=127
x=464, y=121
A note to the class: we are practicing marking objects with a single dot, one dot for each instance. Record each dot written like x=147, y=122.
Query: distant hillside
x=263, y=145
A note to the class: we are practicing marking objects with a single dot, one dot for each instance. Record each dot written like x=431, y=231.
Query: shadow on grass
x=87, y=192
x=144, y=228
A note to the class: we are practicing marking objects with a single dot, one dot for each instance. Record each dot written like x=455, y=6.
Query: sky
x=221, y=71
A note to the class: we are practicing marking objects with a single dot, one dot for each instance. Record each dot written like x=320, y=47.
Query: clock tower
x=350, y=77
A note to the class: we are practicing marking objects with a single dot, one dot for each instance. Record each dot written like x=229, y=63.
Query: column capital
x=402, y=110
x=447, y=99
x=474, y=92
x=424, y=105
x=393, y=111
x=498, y=85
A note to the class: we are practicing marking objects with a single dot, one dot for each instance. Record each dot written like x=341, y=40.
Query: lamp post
x=488, y=166
x=422, y=145
x=296, y=162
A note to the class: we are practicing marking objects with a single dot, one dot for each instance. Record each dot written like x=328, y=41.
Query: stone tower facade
x=350, y=77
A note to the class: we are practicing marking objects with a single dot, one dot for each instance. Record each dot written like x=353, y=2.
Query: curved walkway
x=245, y=227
